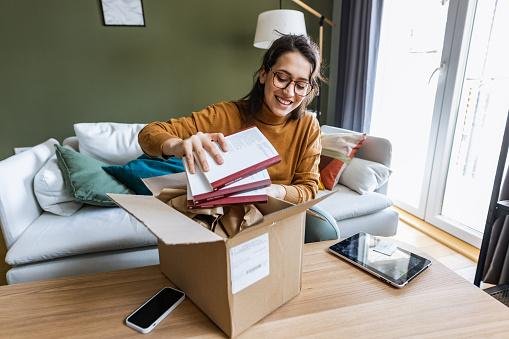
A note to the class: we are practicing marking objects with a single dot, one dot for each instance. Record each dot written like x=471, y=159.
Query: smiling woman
x=284, y=85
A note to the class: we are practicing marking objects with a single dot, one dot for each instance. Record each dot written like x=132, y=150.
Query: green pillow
x=86, y=179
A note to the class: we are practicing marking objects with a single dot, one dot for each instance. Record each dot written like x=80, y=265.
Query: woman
x=285, y=84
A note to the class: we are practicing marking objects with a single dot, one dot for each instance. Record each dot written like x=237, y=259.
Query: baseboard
x=456, y=244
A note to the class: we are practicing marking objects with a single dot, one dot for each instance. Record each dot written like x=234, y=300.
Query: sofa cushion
x=383, y=223
x=18, y=205
x=51, y=192
x=337, y=151
x=131, y=173
x=110, y=142
x=364, y=176
x=84, y=264
x=91, y=229
x=86, y=179
x=347, y=204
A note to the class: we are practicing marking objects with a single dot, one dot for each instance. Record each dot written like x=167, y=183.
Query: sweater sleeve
x=304, y=185
x=152, y=136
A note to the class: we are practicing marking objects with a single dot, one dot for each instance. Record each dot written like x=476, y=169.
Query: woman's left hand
x=276, y=191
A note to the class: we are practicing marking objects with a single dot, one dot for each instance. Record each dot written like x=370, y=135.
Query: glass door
x=408, y=72
x=479, y=120
x=444, y=116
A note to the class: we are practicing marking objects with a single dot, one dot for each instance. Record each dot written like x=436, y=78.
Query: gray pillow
x=364, y=176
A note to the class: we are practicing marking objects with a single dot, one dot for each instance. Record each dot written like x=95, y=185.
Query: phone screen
x=155, y=307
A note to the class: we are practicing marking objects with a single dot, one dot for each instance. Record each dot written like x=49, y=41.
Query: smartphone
x=154, y=310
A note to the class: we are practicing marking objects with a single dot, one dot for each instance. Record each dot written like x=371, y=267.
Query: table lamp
x=272, y=24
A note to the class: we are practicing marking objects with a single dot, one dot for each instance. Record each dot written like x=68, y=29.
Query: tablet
x=381, y=257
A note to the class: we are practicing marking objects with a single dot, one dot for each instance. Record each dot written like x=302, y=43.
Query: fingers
x=199, y=151
x=211, y=148
x=276, y=191
x=194, y=149
x=187, y=152
x=220, y=139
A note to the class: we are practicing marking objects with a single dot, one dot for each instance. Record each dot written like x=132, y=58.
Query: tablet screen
x=381, y=255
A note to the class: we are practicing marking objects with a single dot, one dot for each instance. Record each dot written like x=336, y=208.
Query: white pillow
x=364, y=176
x=18, y=150
x=50, y=190
x=110, y=142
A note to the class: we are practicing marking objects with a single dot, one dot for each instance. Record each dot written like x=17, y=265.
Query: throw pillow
x=51, y=192
x=364, y=176
x=87, y=181
x=337, y=151
x=110, y=142
x=144, y=167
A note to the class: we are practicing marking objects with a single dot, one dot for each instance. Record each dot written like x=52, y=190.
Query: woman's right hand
x=197, y=144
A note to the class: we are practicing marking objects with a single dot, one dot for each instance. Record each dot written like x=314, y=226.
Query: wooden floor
x=453, y=260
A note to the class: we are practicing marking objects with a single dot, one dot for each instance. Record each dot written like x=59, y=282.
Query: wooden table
x=337, y=300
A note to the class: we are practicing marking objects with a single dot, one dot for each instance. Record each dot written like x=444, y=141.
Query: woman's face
x=290, y=65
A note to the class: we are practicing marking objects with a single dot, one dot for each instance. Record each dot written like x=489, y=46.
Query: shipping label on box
x=249, y=262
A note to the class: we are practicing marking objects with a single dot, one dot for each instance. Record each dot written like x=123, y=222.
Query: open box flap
x=289, y=211
x=169, y=225
x=174, y=180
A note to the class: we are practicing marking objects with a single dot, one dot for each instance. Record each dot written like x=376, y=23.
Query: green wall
x=59, y=65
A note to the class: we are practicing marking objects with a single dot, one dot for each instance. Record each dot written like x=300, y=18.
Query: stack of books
x=243, y=176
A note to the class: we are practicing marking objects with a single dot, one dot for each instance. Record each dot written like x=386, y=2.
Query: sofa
x=42, y=245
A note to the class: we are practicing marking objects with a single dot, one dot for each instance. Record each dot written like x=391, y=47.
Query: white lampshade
x=271, y=23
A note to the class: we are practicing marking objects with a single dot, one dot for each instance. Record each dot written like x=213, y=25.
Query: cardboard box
x=235, y=281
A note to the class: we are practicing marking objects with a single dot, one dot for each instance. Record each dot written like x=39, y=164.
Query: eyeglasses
x=282, y=80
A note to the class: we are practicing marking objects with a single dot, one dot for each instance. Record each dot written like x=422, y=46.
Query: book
x=253, y=196
x=249, y=152
x=202, y=191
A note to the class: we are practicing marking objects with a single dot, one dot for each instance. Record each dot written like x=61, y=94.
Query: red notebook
x=249, y=152
x=252, y=196
x=202, y=191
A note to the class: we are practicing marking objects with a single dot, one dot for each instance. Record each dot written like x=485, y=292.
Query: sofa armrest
x=18, y=205
x=375, y=149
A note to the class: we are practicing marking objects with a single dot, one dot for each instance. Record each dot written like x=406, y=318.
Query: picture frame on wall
x=122, y=12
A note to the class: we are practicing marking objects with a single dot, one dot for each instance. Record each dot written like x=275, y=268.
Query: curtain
x=496, y=269
x=358, y=50
x=496, y=264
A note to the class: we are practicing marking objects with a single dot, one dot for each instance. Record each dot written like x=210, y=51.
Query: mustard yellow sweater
x=297, y=142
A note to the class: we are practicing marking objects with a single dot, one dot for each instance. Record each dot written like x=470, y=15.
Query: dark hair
x=286, y=43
